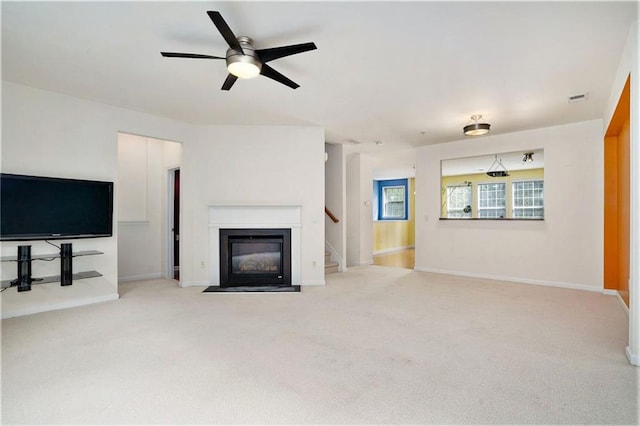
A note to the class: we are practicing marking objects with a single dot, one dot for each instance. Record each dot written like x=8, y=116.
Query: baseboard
x=366, y=262
x=511, y=279
x=140, y=277
x=392, y=250
x=321, y=282
x=62, y=305
x=634, y=359
x=616, y=293
x=194, y=284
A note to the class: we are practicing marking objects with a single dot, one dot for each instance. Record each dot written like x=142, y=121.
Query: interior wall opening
x=617, y=202
x=146, y=207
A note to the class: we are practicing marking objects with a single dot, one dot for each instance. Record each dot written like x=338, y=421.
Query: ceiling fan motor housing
x=242, y=62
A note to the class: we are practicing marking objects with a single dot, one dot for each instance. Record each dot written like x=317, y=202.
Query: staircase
x=329, y=266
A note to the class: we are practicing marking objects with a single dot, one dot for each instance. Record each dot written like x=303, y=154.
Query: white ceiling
x=406, y=74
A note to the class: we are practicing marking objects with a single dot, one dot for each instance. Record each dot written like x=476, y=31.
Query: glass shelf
x=50, y=256
x=25, y=280
x=55, y=278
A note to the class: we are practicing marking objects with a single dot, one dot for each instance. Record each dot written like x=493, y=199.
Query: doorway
x=394, y=240
x=403, y=258
x=617, y=202
x=145, y=208
x=174, y=224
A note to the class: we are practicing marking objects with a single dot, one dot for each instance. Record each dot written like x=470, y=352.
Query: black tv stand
x=24, y=281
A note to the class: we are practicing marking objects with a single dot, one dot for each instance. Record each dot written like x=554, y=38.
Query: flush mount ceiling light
x=497, y=169
x=475, y=128
x=527, y=157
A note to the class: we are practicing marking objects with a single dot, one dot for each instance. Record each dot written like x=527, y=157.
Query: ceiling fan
x=243, y=60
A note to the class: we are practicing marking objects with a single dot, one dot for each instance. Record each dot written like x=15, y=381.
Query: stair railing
x=331, y=215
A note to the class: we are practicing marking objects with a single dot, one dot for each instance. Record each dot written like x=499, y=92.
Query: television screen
x=43, y=208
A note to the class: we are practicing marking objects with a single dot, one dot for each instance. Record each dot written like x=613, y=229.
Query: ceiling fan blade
x=188, y=55
x=270, y=54
x=229, y=82
x=267, y=71
x=224, y=29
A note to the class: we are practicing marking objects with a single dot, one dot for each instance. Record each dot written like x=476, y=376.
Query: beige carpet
x=376, y=345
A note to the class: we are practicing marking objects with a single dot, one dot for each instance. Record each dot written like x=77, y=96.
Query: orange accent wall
x=611, y=212
x=617, y=167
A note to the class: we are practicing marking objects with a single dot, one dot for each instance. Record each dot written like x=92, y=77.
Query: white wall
x=359, y=182
x=45, y=133
x=143, y=165
x=394, y=164
x=252, y=165
x=566, y=249
x=335, y=200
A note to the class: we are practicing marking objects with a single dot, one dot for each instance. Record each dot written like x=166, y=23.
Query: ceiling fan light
x=243, y=69
x=243, y=65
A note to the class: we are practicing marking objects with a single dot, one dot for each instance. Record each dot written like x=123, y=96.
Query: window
x=392, y=199
x=528, y=199
x=492, y=200
x=459, y=201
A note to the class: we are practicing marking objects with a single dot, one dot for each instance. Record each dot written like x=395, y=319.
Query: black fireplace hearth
x=255, y=257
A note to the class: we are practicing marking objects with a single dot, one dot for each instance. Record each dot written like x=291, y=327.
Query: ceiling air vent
x=578, y=98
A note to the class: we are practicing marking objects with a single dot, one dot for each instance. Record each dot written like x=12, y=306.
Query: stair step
x=330, y=268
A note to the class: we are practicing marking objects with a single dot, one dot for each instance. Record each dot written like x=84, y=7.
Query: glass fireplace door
x=255, y=257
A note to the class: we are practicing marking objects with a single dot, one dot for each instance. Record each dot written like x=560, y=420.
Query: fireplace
x=255, y=257
x=254, y=217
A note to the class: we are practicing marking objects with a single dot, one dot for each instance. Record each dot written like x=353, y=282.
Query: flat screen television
x=47, y=208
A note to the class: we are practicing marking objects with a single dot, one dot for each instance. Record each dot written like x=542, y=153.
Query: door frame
x=169, y=256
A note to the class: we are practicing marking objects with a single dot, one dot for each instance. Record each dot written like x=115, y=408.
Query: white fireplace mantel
x=254, y=217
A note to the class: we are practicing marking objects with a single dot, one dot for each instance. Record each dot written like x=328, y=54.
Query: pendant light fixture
x=497, y=169
x=476, y=128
